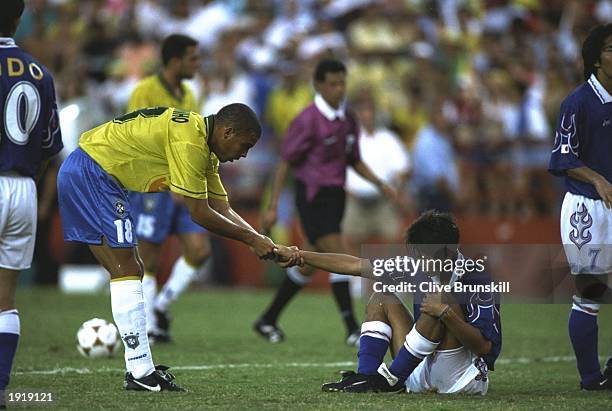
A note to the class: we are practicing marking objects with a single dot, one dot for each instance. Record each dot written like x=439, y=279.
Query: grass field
x=225, y=365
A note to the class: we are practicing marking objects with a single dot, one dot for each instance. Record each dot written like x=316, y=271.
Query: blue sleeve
x=569, y=135
x=51, y=132
x=482, y=316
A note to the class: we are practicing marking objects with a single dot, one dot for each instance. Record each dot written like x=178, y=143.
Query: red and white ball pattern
x=97, y=338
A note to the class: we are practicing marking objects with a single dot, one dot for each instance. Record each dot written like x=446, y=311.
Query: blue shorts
x=92, y=204
x=157, y=216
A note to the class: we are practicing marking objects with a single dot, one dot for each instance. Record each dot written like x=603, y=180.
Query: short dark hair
x=11, y=11
x=432, y=227
x=328, y=66
x=591, y=48
x=241, y=118
x=175, y=45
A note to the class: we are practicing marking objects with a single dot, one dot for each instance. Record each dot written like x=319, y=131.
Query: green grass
x=214, y=328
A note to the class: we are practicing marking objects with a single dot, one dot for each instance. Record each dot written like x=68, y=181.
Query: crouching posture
x=452, y=341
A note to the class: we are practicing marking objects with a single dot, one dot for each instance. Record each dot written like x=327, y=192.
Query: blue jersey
x=584, y=136
x=481, y=310
x=29, y=123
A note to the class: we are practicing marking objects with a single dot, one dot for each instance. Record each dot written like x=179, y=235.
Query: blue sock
x=372, y=351
x=404, y=363
x=9, y=336
x=583, y=334
x=8, y=347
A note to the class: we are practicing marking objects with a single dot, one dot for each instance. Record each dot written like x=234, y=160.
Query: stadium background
x=490, y=73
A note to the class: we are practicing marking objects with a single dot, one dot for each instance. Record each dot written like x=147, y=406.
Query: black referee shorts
x=323, y=215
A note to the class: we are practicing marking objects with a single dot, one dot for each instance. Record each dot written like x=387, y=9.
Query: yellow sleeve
x=215, y=186
x=138, y=99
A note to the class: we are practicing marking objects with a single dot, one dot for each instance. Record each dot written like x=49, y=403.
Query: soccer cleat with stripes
x=158, y=380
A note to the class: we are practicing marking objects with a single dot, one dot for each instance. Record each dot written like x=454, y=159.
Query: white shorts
x=450, y=372
x=18, y=208
x=586, y=233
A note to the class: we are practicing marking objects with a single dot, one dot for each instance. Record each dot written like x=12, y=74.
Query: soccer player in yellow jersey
x=157, y=215
x=152, y=150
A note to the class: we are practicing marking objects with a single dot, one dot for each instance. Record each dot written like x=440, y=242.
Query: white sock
x=294, y=275
x=181, y=276
x=127, y=302
x=9, y=322
x=149, y=290
x=338, y=278
x=418, y=345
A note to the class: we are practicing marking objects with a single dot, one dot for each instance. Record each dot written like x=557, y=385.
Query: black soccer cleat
x=162, y=320
x=604, y=383
x=374, y=383
x=159, y=338
x=382, y=381
x=348, y=378
x=269, y=331
x=158, y=380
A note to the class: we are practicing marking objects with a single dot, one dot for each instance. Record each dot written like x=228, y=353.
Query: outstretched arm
x=210, y=219
x=225, y=209
x=335, y=263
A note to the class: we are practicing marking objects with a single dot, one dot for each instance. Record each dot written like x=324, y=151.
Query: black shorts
x=323, y=215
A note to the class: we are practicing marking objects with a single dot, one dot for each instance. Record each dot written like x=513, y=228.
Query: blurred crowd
x=470, y=87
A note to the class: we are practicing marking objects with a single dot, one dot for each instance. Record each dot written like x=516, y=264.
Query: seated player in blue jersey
x=582, y=155
x=29, y=137
x=449, y=345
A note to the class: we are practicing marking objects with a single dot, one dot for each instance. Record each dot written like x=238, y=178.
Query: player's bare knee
x=374, y=310
x=196, y=248
x=430, y=327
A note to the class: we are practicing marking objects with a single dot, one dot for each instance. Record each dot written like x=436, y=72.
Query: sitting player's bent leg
x=376, y=334
x=421, y=341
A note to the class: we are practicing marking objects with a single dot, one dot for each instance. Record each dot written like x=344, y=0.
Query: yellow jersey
x=154, y=91
x=158, y=149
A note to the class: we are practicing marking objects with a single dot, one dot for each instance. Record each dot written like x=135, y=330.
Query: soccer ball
x=98, y=338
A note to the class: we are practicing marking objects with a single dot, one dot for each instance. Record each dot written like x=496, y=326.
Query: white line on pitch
x=70, y=370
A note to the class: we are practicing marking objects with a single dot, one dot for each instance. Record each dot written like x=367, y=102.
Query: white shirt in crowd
x=381, y=151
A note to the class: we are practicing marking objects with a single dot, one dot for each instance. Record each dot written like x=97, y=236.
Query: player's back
x=137, y=147
x=29, y=125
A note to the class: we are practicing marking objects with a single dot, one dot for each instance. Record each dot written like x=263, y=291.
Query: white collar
x=6, y=42
x=328, y=111
x=599, y=90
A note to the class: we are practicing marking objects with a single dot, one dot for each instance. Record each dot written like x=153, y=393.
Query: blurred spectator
x=435, y=176
x=501, y=65
x=369, y=214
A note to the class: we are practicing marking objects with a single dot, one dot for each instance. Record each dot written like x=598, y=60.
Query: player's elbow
x=200, y=211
